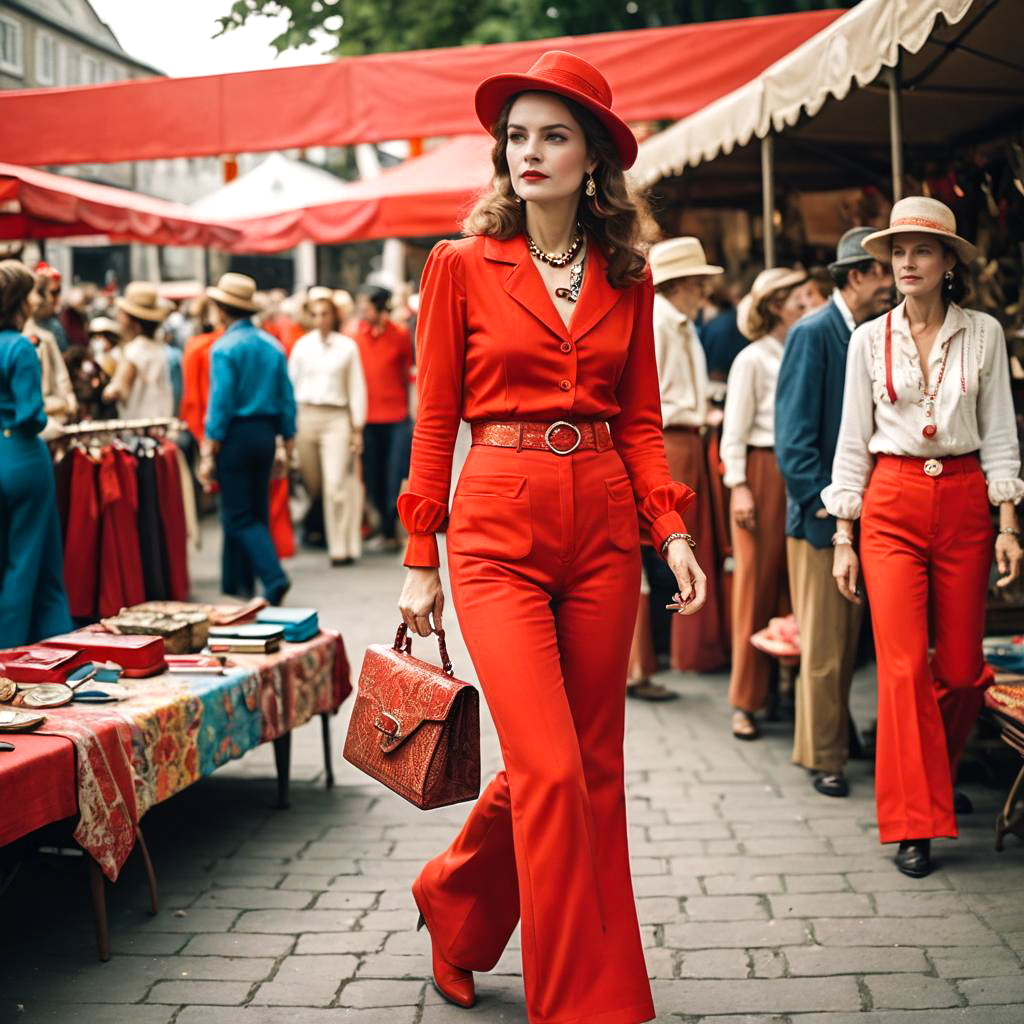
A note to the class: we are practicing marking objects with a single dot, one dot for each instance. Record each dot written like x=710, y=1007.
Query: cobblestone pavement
x=759, y=900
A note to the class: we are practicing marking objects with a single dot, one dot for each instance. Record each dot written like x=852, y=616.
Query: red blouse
x=492, y=346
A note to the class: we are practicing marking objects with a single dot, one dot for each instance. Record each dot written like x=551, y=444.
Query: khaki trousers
x=760, y=582
x=829, y=630
x=324, y=445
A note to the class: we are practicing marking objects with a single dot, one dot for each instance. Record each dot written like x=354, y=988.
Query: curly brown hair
x=615, y=217
x=16, y=284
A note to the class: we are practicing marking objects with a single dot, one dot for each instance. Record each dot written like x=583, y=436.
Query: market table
x=173, y=730
x=1005, y=703
x=37, y=784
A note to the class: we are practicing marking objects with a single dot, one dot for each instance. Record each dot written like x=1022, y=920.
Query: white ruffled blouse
x=973, y=409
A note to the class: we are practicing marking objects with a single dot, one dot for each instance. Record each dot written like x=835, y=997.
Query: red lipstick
x=533, y=176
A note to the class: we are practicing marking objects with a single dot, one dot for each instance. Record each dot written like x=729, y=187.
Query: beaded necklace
x=556, y=259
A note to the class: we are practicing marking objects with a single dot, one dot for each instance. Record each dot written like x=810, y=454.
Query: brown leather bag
x=415, y=727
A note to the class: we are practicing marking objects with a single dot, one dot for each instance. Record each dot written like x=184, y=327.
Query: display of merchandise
x=137, y=655
x=19, y=721
x=121, y=497
x=300, y=624
x=39, y=664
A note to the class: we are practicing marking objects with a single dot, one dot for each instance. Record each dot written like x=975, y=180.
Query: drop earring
x=949, y=280
x=591, y=188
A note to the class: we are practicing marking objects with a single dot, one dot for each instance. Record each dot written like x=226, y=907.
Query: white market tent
x=888, y=77
x=275, y=185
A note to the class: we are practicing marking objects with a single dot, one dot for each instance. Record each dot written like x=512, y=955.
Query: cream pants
x=328, y=469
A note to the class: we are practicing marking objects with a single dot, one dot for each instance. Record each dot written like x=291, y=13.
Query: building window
x=74, y=66
x=92, y=71
x=11, y=58
x=46, y=58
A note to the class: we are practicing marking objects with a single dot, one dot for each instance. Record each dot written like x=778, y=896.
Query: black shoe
x=277, y=598
x=962, y=803
x=831, y=784
x=914, y=858
x=335, y=562
x=647, y=689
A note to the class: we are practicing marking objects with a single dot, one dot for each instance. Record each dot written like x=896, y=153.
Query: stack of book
x=254, y=638
x=300, y=624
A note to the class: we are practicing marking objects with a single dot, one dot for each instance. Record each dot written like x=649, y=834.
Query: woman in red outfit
x=928, y=419
x=537, y=330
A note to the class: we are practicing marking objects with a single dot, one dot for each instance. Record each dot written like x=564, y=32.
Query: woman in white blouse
x=330, y=391
x=758, y=500
x=928, y=440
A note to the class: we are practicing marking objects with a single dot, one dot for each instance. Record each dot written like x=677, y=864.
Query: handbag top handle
x=403, y=642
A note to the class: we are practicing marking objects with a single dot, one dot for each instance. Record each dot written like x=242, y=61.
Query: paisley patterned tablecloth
x=175, y=729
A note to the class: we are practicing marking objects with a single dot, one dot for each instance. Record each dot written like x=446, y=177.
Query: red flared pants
x=545, y=570
x=926, y=550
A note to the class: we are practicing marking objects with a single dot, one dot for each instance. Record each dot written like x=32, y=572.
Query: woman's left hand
x=692, y=582
x=1009, y=557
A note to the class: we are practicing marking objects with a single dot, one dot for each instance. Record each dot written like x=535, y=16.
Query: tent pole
x=768, y=198
x=892, y=76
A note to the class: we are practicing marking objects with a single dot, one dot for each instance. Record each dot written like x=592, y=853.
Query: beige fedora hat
x=919, y=214
x=235, y=290
x=765, y=283
x=142, y=301
x=679, y=257
x=319, y=294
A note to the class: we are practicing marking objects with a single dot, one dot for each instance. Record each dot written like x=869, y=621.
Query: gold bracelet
x=677, y=536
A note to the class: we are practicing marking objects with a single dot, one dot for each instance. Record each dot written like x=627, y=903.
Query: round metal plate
x=46, y=695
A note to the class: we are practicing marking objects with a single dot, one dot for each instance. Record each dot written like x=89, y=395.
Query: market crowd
x=774, y=397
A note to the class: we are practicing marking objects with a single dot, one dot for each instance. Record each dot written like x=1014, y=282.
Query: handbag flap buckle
x=389, y=723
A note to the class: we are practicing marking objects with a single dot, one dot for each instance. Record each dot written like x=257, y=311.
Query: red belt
x=560, y=437
x=931, y=467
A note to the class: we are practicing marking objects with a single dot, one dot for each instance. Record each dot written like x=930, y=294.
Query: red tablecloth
x=37, y=784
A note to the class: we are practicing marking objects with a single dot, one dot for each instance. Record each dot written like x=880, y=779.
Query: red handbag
x=415, y=727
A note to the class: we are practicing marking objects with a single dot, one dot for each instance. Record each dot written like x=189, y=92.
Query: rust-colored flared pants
x=698, y=641
x=760, y=587
x=545, y=568
x=926, y=550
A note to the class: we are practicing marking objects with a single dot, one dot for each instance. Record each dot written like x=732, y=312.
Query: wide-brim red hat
x=566, y=75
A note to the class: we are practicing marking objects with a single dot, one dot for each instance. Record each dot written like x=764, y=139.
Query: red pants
x=545, y=568
x=926, y=548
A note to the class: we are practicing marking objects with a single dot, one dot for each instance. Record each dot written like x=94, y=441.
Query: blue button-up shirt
x=248, y=377
x=21, y=388
x=808, y=410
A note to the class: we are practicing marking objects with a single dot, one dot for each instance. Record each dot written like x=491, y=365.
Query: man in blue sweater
x=251, y=405
x=808, y=409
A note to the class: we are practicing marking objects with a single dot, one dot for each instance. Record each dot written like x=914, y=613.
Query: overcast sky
x=175, y=36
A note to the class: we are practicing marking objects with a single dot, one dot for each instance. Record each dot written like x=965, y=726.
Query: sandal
x=830, y=784
x=744, y=727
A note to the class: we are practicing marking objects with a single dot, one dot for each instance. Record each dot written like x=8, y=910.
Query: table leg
x=283, y=760
x=99, y=908
x=150, y=873
x=325, y=726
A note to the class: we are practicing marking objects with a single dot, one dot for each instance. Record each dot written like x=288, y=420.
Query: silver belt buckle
x=571, y=426
x=933, y=467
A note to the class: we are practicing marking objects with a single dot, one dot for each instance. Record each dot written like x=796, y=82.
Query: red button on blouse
x=566, y=346
x=482, y=304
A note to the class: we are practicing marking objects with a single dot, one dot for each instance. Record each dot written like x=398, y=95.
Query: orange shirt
x=286, y=331
x=492, y=346
x=196, y=378
x=386, y=354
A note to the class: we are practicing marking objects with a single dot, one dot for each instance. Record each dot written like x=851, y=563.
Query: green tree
x=355, y=27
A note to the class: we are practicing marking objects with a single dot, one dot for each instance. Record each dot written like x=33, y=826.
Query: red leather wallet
x=137, y=655
x=39, y=664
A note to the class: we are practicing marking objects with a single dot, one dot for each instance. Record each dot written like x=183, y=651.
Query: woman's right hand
x=422, y=597
x=845, y=571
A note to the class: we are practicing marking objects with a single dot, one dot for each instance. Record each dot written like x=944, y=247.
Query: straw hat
x=566, y=75
x=236, y=291
x=924, y=215
x=679, y=257
x=104, y=325
x=142, y=301
x=766, y=283
x=319, y=294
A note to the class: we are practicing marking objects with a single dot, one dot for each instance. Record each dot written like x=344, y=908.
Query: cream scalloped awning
x=851, y=51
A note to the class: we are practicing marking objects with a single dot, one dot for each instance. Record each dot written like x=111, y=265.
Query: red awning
x=654, y=73
x=37, y=204
x=427, y=195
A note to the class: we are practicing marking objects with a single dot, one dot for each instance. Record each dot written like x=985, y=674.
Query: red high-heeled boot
x=453, y=983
